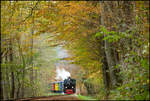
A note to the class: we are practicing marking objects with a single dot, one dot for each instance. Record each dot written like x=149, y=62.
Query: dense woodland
x=108, y=41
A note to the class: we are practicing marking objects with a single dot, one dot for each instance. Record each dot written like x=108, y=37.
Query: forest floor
x=54, y=97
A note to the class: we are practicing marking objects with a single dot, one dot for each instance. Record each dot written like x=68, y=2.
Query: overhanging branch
x=30, y=13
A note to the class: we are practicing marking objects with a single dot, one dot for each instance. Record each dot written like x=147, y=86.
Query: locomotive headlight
x=72, y=86
x=66, y=87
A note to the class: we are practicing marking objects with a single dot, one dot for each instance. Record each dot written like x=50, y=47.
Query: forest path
x=54, y=97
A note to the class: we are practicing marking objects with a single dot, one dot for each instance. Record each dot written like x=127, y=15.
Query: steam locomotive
x=68, y=86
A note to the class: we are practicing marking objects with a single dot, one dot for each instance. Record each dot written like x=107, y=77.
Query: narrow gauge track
x=53, y=97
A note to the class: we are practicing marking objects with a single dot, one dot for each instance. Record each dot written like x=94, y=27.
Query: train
x=68, y=86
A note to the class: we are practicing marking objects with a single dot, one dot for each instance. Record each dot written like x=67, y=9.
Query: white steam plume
x=62, y=73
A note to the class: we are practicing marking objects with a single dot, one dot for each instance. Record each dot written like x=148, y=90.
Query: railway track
x=53, y=97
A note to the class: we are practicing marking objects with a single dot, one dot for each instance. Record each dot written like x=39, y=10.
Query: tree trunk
x=1, y=83
x=18, y=90
x=108, y=49
x=106, y=76
x=111, y=62
x=115, y=13
x=13, y=85
x=32, y=72
x=7, y=87
x=23, y=70
x=105, y=70
x=12, y=72
x=23, y=77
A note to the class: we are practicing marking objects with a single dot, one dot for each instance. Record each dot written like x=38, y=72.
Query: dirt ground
x=55, y=97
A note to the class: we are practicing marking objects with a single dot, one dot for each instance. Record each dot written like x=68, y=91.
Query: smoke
x=62, y=73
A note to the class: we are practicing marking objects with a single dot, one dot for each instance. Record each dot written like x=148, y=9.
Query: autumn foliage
x=107, y=40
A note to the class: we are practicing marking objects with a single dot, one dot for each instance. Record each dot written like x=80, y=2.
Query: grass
x=79, y=96
x=55, y=94
x=85, y=97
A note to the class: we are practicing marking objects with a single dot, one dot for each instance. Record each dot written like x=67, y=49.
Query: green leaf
x=144, y=63
x=97, y=34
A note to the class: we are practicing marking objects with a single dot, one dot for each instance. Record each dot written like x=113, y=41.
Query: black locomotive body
x=69, y=86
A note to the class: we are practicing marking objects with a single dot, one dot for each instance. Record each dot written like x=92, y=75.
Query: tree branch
x=30, y=13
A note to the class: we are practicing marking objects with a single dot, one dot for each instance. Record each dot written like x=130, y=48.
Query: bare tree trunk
x=12, y=94
x=12, y=72
x=23, y=70
x=106, y=76
x=13, y=85
x=7, y=86
x=111, y=62
x=1, y=85
x=108, y=48
x=32, y=72
x=18, y=89
x=105, y=71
